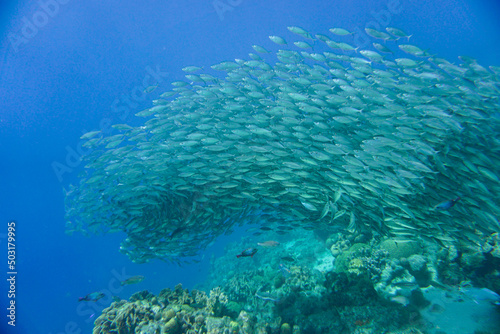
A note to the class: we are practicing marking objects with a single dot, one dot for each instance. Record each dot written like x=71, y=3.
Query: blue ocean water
x=69, y=67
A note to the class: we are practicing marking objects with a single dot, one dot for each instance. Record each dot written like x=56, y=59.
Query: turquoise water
x=70, y=68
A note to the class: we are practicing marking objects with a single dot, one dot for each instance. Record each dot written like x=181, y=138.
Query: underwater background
x=86, y=64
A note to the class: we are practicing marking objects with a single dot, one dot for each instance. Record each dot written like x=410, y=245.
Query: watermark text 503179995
x=12, y=272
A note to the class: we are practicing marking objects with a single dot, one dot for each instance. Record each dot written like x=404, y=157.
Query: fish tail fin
x=238, y=256
x=80, y=299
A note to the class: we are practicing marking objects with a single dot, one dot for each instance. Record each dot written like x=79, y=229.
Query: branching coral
x=216, y=301
x=240, y=286
x=122, y=318
x=173, y=312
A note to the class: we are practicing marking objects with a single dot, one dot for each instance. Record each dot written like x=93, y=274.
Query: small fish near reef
x=268, y=244
x=266, y=297
x=446, y=205
x=132, y=280
x=284, y=270
x=400, y=300
x=288, y=259
x=247, y=252
x=91, y=297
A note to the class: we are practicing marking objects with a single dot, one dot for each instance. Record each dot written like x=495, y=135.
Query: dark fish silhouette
x=91, y=297
x=446, y=204
x=248, y=252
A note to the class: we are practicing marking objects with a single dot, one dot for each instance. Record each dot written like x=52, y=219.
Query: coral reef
x=308, y=301
x=124, y=318
x=397, y=249
x=172, y=311
x=478, y=263
x=374, y=286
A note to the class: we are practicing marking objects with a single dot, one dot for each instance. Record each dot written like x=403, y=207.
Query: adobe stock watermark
x=90, y=310
x=122, y=107
x=47, y=11
x=381, y=19
x=223, y=6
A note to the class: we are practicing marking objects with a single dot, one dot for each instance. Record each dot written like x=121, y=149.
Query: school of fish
x=319, y=135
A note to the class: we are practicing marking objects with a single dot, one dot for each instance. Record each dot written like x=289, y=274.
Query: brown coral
x=122, y=320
